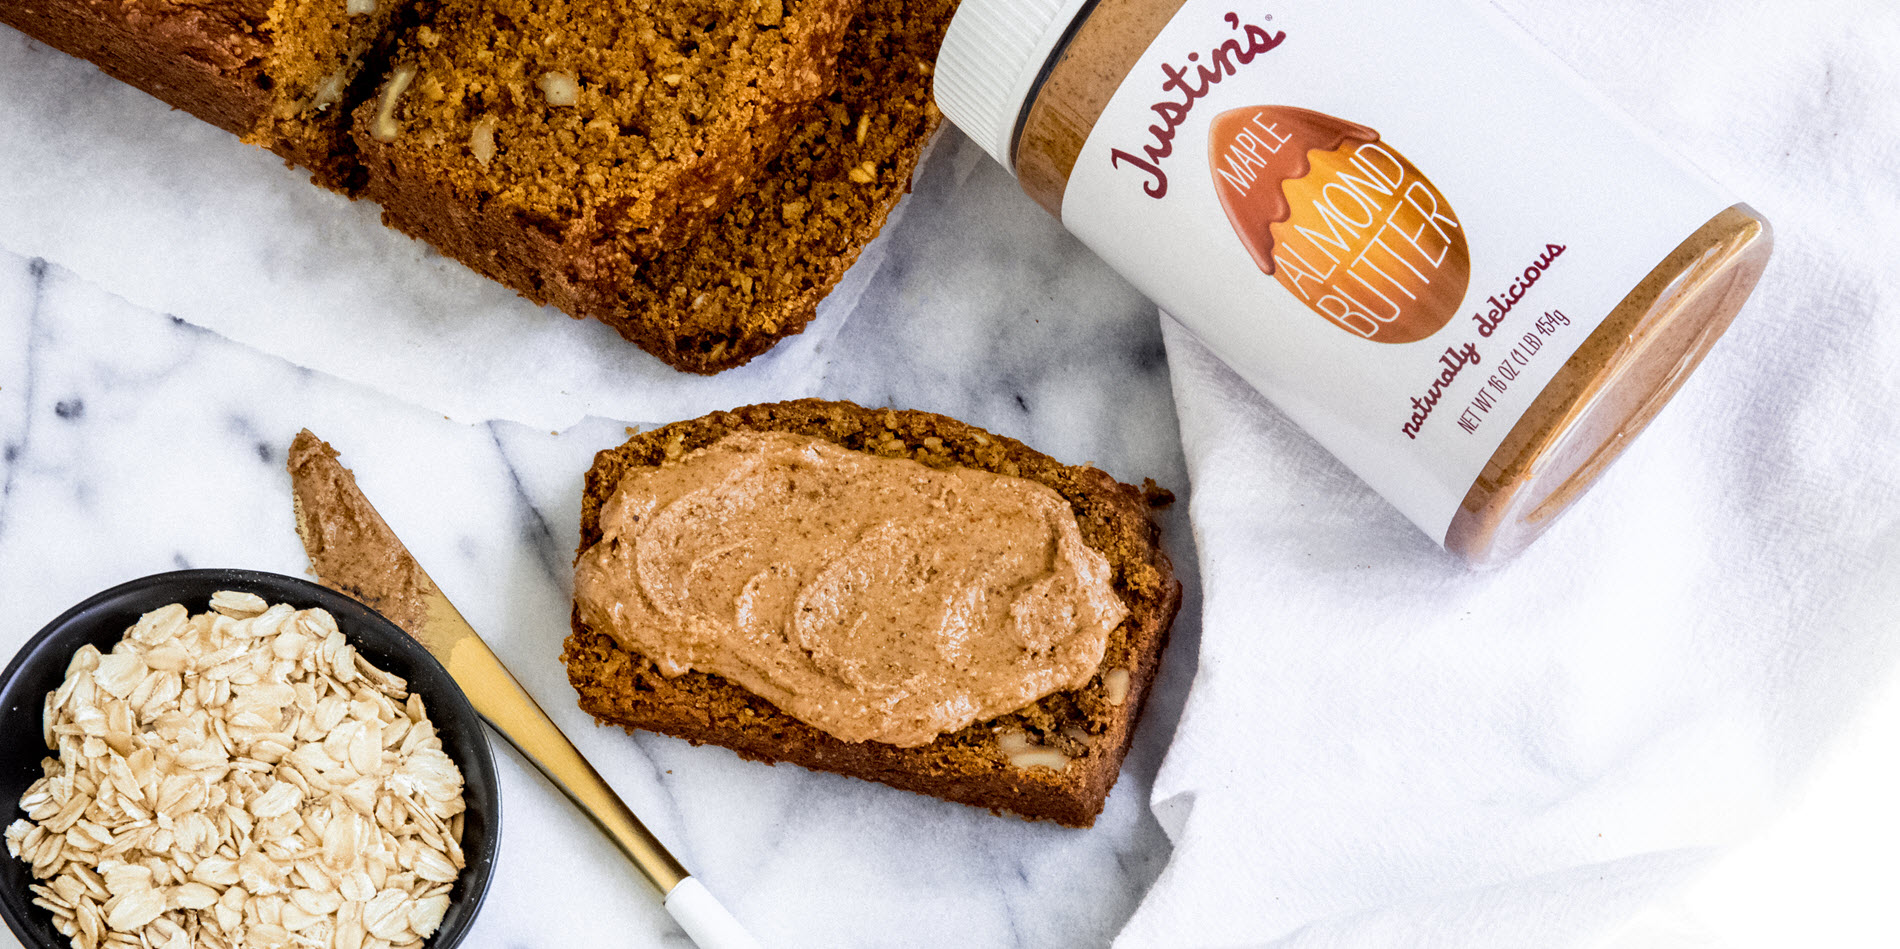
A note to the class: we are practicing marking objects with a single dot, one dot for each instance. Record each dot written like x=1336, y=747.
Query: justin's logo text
x=1187, y=85
x=1343, y=220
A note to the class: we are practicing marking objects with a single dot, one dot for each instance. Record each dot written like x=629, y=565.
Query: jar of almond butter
x=1405, y=223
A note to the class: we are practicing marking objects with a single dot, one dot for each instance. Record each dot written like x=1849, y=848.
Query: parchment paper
x=180, y=217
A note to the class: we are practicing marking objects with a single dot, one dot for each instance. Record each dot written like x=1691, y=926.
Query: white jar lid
x=992, y=55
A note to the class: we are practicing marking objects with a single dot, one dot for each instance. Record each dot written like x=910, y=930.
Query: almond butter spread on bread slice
x=1053, y=757
x=875, y=599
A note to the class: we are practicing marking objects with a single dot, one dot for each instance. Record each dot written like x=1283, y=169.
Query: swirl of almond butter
x=875, y=599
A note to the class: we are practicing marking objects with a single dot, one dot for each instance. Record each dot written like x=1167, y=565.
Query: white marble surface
x=136, y=442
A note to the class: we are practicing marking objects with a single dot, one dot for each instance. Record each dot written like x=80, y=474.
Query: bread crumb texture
x=758, y=274
x=620, y=123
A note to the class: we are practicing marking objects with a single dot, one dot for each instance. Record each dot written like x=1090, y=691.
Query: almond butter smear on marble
x=875, y=599
x=1404, y=224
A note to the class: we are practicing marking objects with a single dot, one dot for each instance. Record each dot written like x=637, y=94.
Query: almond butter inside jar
x=1410, y=227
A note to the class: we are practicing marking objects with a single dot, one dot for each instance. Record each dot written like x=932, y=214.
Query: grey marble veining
x=136, y=443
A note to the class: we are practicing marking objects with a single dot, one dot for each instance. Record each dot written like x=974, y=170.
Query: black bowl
x=102, y=620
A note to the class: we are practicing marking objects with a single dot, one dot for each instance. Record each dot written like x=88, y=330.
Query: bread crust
x=623, y=688
x=203, y=59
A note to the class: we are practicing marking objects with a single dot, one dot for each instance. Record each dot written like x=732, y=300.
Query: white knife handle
x=705, y=919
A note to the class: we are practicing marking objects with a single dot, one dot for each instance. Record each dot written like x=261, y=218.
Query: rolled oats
x=240, y=778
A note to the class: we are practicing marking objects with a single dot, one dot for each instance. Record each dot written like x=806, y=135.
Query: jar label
x=1396, y=220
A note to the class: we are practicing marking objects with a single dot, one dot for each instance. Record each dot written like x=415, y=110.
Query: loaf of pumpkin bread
x=697, y=175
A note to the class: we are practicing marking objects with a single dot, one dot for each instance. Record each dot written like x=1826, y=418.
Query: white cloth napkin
x=1382, y=748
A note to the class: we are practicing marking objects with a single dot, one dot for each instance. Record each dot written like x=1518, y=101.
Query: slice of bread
x=553, y=144
x=1002, y=764
x=279, y=73
x=758, y=274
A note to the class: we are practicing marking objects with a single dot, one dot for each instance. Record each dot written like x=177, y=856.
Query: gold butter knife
x=355, y=552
